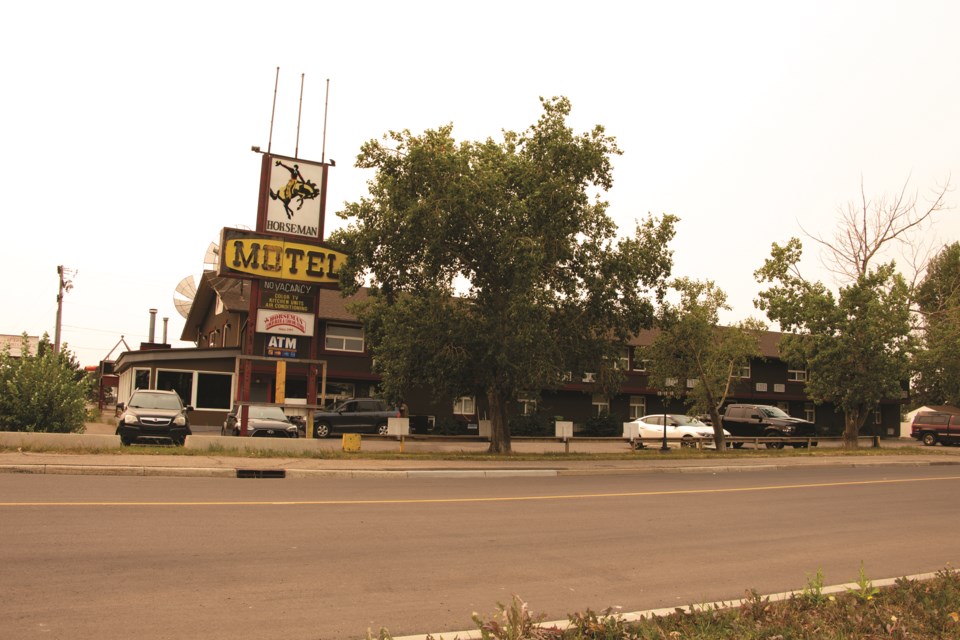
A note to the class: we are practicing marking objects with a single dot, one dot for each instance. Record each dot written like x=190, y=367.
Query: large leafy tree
x=494, y=266
x=42, y=391
x=855, y=345
x=692, y=345
x=937, y=300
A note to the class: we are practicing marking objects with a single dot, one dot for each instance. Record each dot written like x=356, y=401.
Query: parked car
x=262, y=422
x=356, y=415
x=678, y=426
x=153, y=416
x=931, y=427
x=766, y=421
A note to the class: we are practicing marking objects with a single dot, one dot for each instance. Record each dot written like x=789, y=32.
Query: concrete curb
x=117, y=470
x=634, y=616
x=232, y=472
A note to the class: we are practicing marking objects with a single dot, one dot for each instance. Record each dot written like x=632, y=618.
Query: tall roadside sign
x=289, y=262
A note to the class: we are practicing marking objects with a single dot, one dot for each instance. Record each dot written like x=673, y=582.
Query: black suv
x=152, y=415
x=766, y=421
x=357, y=415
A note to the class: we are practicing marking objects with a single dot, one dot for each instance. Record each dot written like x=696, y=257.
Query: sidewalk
x=131, y=464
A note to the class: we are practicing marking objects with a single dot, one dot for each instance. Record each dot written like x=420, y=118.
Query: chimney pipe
x=165, y=321
x=153, y=325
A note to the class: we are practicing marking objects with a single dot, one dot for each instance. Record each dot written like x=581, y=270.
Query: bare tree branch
x=867, y=230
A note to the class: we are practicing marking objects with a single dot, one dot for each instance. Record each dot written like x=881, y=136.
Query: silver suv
x=153, y=416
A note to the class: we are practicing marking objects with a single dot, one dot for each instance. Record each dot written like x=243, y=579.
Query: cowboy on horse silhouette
x=296, y=187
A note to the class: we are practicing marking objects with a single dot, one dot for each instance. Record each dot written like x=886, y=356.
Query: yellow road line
x=625, y=494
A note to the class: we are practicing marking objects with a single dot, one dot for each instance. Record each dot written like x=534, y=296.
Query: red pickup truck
x=931, y=427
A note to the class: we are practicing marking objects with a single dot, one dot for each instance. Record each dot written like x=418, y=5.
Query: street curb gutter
x=475, y=634
x=117, y=470
x=232, y=472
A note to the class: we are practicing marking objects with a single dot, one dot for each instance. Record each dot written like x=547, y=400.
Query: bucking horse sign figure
x=296, y=187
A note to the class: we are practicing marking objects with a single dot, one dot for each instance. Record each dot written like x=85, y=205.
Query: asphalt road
x=151, y=558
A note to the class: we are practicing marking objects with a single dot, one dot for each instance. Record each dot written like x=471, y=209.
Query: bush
x=604, y=426
x=42, y=391
x=536, y=425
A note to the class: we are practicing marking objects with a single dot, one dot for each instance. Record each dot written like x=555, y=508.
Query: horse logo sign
x=295, y=204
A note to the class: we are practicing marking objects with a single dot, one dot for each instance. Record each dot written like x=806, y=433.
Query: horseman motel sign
x=245, y=254
x=295, y=197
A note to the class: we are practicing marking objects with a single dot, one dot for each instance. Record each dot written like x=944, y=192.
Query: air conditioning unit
x=589, y=377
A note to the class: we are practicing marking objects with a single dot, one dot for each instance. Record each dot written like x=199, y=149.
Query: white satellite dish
x=211, y=257
x=183, y=295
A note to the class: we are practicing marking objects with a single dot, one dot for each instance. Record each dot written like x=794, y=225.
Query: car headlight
x=705, y=434
x=788, y=429
x=180, y=421
x=129, y=419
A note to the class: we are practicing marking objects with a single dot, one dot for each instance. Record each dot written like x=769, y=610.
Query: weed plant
x=909, y=609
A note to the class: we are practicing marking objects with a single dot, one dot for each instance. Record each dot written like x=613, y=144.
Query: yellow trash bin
x=351, y=442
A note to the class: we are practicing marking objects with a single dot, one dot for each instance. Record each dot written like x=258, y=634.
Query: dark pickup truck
x=357, y=415
x=766, y=421
x=931, y=427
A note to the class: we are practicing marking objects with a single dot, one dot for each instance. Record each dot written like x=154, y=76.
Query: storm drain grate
x=261, y=473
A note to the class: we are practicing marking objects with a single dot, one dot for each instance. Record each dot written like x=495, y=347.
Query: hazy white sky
x=128, y=126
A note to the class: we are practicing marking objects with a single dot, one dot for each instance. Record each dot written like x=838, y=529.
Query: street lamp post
x=665, y=394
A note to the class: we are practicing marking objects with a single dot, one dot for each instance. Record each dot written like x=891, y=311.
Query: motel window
x=761, y=386
x=745, y=371
x=601, y=405
x=796, y=375
x=809, y=412
x=141, y=379
x=623, y=362
x=528, y=404
x=639, y=363
x=179, y=381
x=638, y=407
x=342, y=338
x=213, y=390
x=339, y=390
x=465, y=406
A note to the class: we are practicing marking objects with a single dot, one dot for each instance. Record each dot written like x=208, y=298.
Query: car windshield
x=155, y=401
x=268, y=413
x=773, y=412
x=687, y=421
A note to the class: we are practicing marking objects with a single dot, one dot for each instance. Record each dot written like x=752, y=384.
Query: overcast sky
x=128, y=126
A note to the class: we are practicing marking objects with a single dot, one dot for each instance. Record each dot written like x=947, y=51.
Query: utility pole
x=65, y=286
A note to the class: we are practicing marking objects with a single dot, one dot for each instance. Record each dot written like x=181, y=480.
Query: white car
x=678, y=426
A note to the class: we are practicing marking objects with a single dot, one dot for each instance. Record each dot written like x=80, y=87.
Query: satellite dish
x=183, y=295
x=211, y=257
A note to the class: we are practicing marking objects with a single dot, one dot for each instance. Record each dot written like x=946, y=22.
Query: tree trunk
x=499, y=433
x=718, y=438
x=852, y=421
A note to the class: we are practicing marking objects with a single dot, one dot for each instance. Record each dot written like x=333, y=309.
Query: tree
x=42, y=391
x=855, y=345
x=937, y=363
x=692, y=345
x=494, y=266
x=868, y=228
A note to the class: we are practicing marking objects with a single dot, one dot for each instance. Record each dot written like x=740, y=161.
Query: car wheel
x=773, y=445
x=929, y=439
x=321, y=430
x=383, y=429
x=738, y=445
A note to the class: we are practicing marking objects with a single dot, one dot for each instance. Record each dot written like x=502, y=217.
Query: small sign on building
x=285, y=322
x=281, y=346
